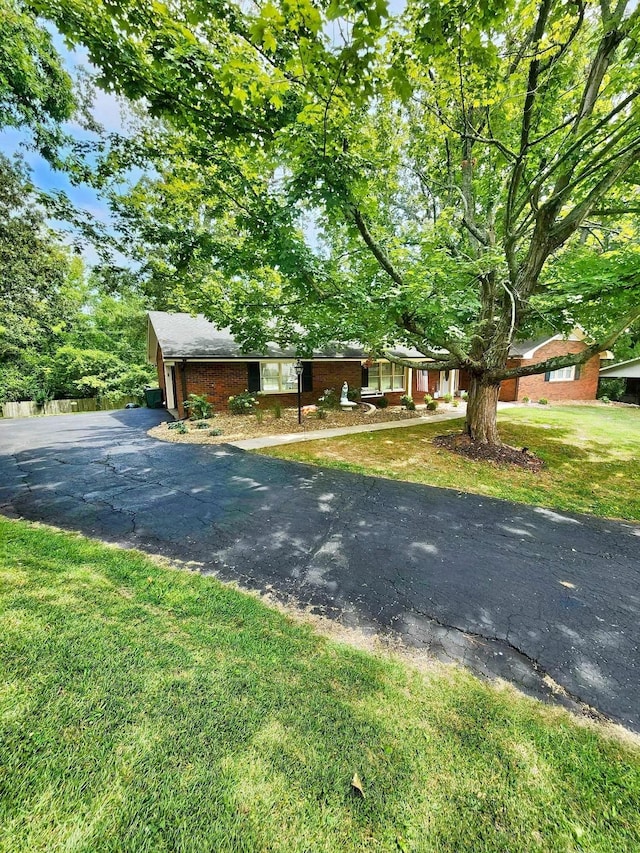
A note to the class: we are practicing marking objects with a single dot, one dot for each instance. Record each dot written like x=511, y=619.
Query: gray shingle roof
x=185, y=336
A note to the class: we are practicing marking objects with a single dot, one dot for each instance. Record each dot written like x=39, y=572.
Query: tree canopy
x=451, y=178
x=36, y=91
x=62, y=334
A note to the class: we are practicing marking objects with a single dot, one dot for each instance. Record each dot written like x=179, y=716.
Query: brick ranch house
x=192, y=356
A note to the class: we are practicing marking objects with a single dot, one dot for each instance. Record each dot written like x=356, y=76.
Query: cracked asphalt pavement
x=523, y=593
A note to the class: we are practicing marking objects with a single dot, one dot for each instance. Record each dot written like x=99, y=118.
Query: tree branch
x=376, y=250
x=438, y=362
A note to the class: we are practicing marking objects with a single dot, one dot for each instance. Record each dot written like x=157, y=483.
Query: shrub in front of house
x=407, y=402
x=214, y=432
x=427, y=399
x=525, y=399
x=201, y=425
x=353, y=394
x=179, y=426
x=329, y=399
x=447, y=398
x=543, y=401
x=198, y=407
x=432, y=405
x=276, y=409
x=243, y=404
x=464, y=395
x=382, y=403
x=612, y=389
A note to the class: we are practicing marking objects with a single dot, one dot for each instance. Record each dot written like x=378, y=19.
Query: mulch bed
x=238, y=427
x=501, y=454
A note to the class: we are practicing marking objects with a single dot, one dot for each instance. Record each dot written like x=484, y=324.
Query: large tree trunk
x=482, y=408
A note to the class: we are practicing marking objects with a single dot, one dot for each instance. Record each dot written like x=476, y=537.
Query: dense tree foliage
x=38, y=292
x=454, y=178
x=36, y=92
x=61, y=335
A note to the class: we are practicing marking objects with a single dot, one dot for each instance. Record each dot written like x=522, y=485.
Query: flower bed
x=238, y=427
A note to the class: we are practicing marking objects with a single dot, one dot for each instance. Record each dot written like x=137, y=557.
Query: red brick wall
x=535, y=386
x=221, y=380
x=509, y=388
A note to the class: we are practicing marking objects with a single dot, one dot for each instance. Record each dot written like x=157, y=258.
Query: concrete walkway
x=312, y=435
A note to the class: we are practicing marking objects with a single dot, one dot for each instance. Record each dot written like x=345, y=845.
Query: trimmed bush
x=432, y=405
x=543, y=401
x=243, y=404
x=382, y=403
x=407, y=401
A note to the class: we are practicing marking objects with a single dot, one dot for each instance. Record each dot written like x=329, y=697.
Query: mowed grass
x=591, y=456
x=148, y=709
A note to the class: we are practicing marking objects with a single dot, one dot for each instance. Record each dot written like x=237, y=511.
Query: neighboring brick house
x=579, y=382
x=193, y=356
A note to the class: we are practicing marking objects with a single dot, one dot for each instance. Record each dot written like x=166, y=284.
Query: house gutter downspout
x=183, y=383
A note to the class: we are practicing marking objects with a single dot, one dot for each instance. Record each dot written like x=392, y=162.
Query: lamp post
x=299, y=367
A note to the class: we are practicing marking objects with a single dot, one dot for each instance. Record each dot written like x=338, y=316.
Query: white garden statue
x=345, y=402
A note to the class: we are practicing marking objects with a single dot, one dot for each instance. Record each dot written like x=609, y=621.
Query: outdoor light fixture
x=299, y=367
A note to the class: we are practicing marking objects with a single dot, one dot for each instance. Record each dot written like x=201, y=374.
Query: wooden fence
x=29, y=409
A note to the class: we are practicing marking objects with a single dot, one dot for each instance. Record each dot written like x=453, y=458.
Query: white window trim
x=281, y=389
x=571, y=378
x=373, y=389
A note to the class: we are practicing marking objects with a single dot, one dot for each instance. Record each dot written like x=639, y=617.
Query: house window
x=385, y=376
x=278, y=376
x=565, y=374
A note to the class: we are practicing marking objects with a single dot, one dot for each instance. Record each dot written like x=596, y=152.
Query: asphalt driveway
x=516, y=591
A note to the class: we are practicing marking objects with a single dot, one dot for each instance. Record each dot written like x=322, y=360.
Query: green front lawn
x=148, y=709
x=591, y=458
